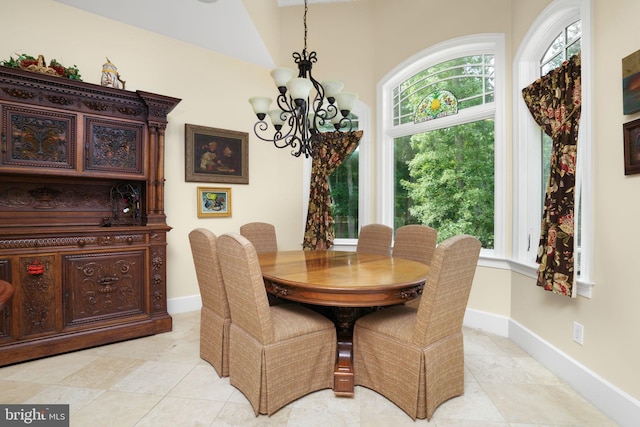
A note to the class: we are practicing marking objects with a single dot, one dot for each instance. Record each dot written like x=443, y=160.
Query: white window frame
x=386, y=131
x=527, y=185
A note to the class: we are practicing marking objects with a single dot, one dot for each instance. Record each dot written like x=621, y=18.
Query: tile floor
x=161, y=381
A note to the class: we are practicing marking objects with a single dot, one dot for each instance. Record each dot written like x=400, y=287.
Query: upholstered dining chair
x=277, y=353
x=416, y=242
x=375, y=239
x=215, y=317
x=415, y=357
x=262, y=235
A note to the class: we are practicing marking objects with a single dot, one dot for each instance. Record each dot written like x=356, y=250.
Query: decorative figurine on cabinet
x=110, y=76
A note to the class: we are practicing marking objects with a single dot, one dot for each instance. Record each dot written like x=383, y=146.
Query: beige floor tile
x=18, y=392
x=386, y=420
x=474, y=405
x=536, y=372
x=153, y=378
x=76, y=398
x=372, y=403
x=175, y=411
x=497, y=369
x=471, y=423
x=148, y=348
x=202, y=382
x=51, y=370
x=238, y=414
x=543, y=404
x=308, y=417
x=161, y=381
x=508, y=346
x=182, y=351
x=102, y=373
x=115, y=408
x=481, y=345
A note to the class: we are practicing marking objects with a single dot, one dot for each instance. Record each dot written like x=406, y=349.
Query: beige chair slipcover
x=415, y=357
x=277, y=353
x=415, y=242
x=262, y=235
x=215, y=317
x=375, y=239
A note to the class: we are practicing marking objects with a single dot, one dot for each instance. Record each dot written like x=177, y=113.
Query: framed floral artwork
x=216, y=155
x=631, y=131
x=214, y=202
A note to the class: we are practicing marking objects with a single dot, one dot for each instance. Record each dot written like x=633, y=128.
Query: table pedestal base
x=343, y=384
x=345, y=318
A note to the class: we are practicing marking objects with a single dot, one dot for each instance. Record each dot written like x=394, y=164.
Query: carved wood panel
x=103, y=286
x=36, y=294
x=42, y=139
x=5, y=313
x=112, y=146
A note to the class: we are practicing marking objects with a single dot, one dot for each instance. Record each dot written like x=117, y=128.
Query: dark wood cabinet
x=82, y=222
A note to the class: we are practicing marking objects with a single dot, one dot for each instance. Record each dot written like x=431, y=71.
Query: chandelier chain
x=306, y=7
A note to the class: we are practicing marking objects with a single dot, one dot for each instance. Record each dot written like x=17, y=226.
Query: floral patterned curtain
x=555, y=102
x=327, y=156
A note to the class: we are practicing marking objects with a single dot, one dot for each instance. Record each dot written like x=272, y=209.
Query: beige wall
x=361, y=42
x=214, y=90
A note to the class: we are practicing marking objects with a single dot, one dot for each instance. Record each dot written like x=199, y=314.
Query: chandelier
x=303, y=106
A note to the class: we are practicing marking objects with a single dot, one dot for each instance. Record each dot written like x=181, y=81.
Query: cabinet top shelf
x=56, y=92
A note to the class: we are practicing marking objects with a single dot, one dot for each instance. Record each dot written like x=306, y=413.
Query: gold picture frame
x=214, y=202
x=216, y=155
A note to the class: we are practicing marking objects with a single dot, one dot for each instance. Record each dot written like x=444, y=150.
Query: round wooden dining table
x=349, y=284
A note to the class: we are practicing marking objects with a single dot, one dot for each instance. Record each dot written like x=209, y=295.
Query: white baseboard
x=613, y=402
x=489, y=322
x=184, y=304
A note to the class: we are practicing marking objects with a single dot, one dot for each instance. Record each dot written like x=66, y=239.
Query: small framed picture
x=214, y=202
x=631, y=147
x=216, y=155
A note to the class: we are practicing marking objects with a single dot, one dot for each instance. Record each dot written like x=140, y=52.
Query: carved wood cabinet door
x=103, y=286
x=37, y=295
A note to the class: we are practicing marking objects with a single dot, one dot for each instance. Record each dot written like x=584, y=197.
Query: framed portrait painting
x=214, y=202
x=631, y=131
x=216, y=155
x=631, y=83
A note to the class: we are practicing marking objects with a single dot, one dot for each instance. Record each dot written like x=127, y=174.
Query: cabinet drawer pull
x=129, y=240
x=81, y=243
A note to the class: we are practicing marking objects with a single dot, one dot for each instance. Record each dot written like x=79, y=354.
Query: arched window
x=560, y=31
x=441, y=151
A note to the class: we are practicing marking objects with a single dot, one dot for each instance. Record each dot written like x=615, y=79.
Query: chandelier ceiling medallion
x=304, y=106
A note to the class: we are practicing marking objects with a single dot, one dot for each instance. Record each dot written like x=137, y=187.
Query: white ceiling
x=222, y=26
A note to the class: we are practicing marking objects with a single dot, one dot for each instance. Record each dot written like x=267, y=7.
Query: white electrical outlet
x=578, y=333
